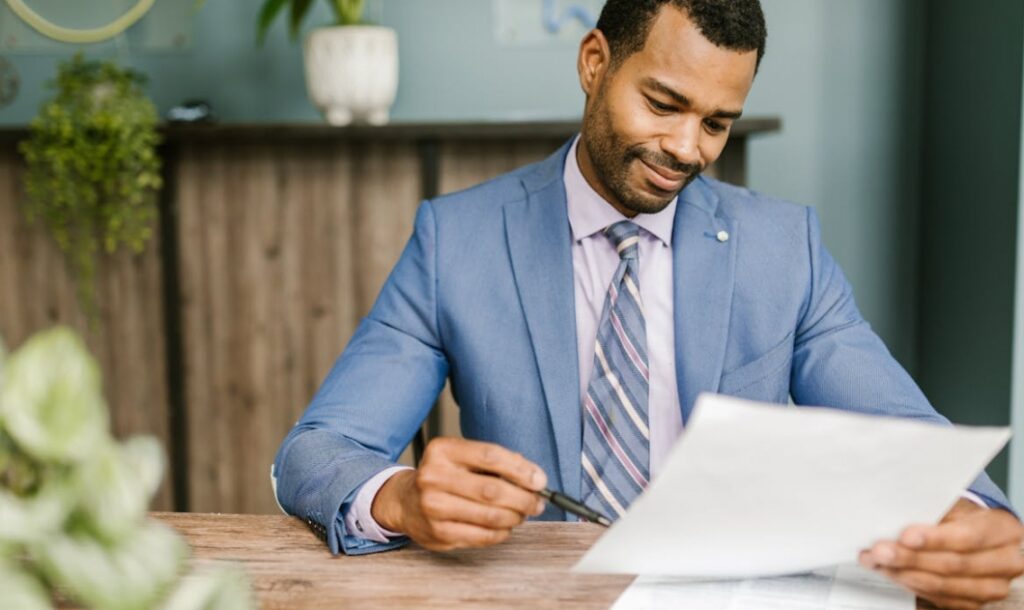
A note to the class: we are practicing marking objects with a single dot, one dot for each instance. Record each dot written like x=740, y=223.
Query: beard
x=612, y=159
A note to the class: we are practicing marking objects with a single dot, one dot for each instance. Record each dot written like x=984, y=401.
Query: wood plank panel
x=36, y=292
x=385, y=201
x=467, y=163
x=283, y=251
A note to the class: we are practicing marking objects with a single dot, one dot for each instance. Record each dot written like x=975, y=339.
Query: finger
x=480, y=488
x=983, y=530
x=1004, y=561
x=952, y=603
x=450, y=535
x=497, y=460
x=441, y=506
x=926, y=584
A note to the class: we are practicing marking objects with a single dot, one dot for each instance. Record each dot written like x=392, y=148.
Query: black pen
x=574, y=506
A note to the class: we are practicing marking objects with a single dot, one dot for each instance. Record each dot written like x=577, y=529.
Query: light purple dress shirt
x=594, y=261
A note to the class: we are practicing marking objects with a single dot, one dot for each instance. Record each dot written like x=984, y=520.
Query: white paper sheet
x=756, y=490
x=845, y=588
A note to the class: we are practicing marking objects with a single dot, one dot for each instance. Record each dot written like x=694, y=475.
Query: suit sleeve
x=374, y=399
x=839, y=361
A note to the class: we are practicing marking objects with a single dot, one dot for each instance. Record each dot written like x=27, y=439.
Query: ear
x=593, y=61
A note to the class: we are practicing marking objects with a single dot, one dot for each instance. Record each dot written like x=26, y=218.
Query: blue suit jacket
x=483, y=294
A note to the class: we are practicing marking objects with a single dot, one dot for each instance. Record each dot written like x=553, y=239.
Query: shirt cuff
x=359, y=519
x=973, y=497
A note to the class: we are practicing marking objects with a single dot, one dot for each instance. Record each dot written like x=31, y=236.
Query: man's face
x=656, y=121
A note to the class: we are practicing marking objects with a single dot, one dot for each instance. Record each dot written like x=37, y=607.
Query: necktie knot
x=625, y=236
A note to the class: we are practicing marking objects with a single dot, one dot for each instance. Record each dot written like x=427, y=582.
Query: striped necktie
x=616, y=439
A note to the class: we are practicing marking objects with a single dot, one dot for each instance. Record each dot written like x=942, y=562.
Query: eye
x=714, y=126
x=660, y=108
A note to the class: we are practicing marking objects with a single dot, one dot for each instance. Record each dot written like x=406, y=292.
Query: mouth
x=663, y=179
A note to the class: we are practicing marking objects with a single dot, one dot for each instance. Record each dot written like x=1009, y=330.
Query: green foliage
x=346, y=12
x=73, y=499
x=93, y=170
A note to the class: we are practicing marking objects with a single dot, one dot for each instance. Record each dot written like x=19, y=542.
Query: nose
x=683, y=142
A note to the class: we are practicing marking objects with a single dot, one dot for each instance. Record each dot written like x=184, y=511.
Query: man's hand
x=464, y=494
x=967, y=560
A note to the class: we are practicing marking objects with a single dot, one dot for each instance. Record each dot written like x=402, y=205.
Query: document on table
x=755, y=490
x=843, y=588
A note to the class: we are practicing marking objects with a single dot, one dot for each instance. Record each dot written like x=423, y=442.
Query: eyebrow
x=682, y=100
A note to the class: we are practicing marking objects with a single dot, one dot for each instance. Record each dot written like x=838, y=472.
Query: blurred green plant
x=93, y=169
x=346, y=12
x=73, y=500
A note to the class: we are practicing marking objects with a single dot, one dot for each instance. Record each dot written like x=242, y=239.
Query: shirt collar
x=589, y=213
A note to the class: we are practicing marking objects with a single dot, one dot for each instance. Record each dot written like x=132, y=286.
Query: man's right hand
x=464, y=494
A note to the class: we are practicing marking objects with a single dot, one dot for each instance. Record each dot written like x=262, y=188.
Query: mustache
x=658, y=159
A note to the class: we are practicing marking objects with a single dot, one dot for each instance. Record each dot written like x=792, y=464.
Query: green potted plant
x=93, y=169
x=73, y=500
x=351, y=66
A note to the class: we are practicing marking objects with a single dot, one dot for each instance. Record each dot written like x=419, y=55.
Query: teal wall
x=845, y=78
x=970, y=189
x=450, y=67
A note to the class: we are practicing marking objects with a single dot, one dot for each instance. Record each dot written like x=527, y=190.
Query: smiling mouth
x=662, y=178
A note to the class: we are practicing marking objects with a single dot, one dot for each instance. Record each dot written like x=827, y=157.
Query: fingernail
x=540, y=507
x=915, y=540
x=885, y=555
x=865, y=559
x=538, y=479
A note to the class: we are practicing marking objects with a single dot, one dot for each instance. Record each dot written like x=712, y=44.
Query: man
x=580, y=304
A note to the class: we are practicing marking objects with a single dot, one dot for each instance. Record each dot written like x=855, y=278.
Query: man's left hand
x=963, y=562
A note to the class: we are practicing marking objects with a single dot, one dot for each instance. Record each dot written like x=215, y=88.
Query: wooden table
x=291, y=568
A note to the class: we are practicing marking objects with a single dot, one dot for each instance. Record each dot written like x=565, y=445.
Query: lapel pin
x=723, y=236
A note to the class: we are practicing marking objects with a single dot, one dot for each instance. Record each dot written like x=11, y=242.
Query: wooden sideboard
x=273, y=242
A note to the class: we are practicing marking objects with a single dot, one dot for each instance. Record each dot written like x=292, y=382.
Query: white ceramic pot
x=352, y=72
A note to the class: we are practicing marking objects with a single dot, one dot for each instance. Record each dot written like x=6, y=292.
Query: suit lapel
x=703, y=269
x=539, y=241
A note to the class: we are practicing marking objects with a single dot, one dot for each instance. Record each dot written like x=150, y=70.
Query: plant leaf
x=132, y=573
x=51, y=402
x=116, y=484
x=349, y=12
x=22, y=590
x=220, y=587
x=34, y=518
x=299, y=10
x=267, y=14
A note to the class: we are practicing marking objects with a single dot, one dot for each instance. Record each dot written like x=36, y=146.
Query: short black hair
x=737, y=25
